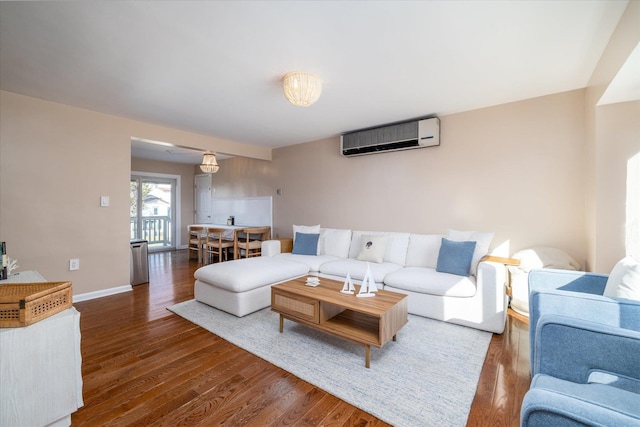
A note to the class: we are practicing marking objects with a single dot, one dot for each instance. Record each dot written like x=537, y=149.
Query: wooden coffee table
x=367, y=321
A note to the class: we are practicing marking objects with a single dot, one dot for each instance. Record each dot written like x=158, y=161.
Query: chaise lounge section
x=414, y=264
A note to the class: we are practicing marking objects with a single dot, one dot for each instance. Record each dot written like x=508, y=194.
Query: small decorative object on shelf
x=12, y=266
x=369, y=286
x=4, y=271
x=348, y=287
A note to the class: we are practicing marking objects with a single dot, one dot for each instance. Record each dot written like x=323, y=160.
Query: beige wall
x=186, y=173
x=55, y=163
x=515, y=169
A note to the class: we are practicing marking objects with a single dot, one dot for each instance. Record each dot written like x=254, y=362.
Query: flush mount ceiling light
x=301, y=89
x=209, y=163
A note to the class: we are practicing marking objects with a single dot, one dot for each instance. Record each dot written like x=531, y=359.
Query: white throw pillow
x=372, y=248
x=483, y=240
x=307, y=229
x=624, y=280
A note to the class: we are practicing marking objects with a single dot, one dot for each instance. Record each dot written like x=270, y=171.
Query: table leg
x=367, y=356
x=281, y=323
x=394, y=338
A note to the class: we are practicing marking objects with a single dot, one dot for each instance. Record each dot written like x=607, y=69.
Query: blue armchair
x=578, y=295
x=585, y=353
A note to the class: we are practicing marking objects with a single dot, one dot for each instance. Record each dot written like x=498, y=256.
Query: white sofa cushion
x=423, y=250
x=357, y=269
x=397, y=243
x=242, y=275
x=483, y=240
x=334, y=242
x=312, y=261
x=429, y=281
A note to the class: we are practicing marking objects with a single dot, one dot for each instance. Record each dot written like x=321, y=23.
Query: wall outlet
x=74, y=264
x=104, y=201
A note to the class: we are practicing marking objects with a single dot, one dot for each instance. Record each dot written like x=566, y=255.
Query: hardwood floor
x=145, y=366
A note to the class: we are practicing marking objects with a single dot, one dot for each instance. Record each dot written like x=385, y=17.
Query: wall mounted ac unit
x=397, y=136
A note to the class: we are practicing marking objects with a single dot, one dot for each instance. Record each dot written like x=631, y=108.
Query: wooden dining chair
x=250, y=243
x=216, y=245
x=196, y=242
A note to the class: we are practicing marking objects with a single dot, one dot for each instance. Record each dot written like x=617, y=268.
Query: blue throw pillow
x=455, y=257
x=305, y=244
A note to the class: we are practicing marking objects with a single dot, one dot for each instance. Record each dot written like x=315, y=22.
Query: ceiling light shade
x=209, y=163
x=301, y=89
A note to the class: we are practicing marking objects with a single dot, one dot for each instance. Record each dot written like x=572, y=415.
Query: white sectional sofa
x=408, y=264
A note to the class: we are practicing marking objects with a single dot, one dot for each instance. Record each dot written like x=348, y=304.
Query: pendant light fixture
x=209, y=163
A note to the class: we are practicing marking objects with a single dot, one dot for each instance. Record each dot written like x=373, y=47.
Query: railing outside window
x=155, y=229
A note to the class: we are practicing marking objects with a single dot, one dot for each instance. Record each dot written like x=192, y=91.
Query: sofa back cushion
x=396, y=250
x=423, y=250
x=334, y=242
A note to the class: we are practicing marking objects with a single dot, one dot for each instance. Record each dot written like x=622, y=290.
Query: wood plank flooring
x=144, y=366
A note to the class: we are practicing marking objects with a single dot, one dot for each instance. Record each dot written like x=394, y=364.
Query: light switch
x=104, y=201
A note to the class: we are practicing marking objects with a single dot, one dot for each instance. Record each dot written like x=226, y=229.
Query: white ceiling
x=215, y=67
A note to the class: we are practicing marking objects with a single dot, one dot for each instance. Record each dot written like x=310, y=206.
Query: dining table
x=229, y=232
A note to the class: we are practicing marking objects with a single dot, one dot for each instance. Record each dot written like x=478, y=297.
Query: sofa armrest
x=567, y=280
x=270, y=248
x=491, y=284
x=552, y=401
x=582, y=352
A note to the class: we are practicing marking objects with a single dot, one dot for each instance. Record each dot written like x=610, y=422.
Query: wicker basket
x=22, y=304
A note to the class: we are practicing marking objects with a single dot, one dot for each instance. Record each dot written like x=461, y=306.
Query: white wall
x=618, y=130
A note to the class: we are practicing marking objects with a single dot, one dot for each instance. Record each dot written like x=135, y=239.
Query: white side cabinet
x=40, y=368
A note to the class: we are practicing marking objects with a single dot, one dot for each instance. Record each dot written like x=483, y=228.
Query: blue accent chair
x=585, y=353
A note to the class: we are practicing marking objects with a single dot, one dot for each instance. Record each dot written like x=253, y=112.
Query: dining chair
x=196, y=241
x=248, y=241
x=216, y=245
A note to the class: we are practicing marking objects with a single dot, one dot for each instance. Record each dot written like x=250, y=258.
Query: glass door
x=152, y=209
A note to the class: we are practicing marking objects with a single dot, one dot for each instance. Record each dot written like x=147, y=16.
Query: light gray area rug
x=428, y=377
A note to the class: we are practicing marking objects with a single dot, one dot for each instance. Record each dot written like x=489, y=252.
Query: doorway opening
x=153, y=210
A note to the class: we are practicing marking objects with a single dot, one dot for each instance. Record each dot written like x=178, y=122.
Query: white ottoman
x=243, y=286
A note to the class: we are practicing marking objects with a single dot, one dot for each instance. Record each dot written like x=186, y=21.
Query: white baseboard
x=102, y=293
